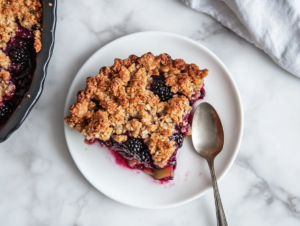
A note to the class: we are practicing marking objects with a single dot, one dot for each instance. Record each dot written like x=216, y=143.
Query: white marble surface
x=40, y=184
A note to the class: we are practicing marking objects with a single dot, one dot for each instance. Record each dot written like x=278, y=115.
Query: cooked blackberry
x=178, y=138
x=202, y=93
x=134, y=145
x=111, y=143
x=115, y=144
x=4, y=111
x=162, y=90
x=138, y=149
x=18, y=55
x=143, y=156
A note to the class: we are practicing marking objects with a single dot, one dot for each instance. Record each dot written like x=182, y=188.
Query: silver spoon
x=208, y=140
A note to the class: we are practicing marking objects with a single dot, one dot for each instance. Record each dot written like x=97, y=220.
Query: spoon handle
x=219, y=207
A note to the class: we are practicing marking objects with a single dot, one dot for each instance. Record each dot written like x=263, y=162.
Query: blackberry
x=138, y=149
x=4, y=111
x=111, y=143
x=162, y=90
x=18, y=55
x=115, y=144
x=144, y=156
x=178, y=138
x=202, y=93
x=134, y=145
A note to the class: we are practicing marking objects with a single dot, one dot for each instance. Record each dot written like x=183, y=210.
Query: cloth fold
x=271, y=25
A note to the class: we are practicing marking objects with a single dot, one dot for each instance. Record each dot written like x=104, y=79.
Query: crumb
x=28, y=96
x=50, y=4
x=6, y=86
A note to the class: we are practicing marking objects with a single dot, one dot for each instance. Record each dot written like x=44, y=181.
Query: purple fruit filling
x=160, y=88
x=135, y=154
x=178, y=138
x=198, y=96
x=21, y=51
x=164, y=93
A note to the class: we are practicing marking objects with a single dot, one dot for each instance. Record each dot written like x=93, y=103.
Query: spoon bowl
x=208, y=134
x=208, y=141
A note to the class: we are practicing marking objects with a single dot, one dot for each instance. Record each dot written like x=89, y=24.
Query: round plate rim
x=236, y=91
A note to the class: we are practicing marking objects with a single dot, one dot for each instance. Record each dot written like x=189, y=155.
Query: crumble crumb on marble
x=129, y=107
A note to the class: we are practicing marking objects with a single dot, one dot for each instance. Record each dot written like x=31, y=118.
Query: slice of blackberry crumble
x=140, y=108
x=20, y=41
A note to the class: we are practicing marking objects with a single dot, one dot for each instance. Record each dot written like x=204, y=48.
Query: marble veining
x=40, y=185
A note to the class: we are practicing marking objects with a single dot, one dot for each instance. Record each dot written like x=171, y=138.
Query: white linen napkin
x=271, y=25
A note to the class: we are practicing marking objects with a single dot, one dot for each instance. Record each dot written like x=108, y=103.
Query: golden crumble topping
x=6, y=87
x=118, y=102
x=27, y=12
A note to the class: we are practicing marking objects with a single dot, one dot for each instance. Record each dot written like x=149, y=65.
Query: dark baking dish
x=42, y=61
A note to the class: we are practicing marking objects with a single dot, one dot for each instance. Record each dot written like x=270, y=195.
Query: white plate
x=192, y=178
